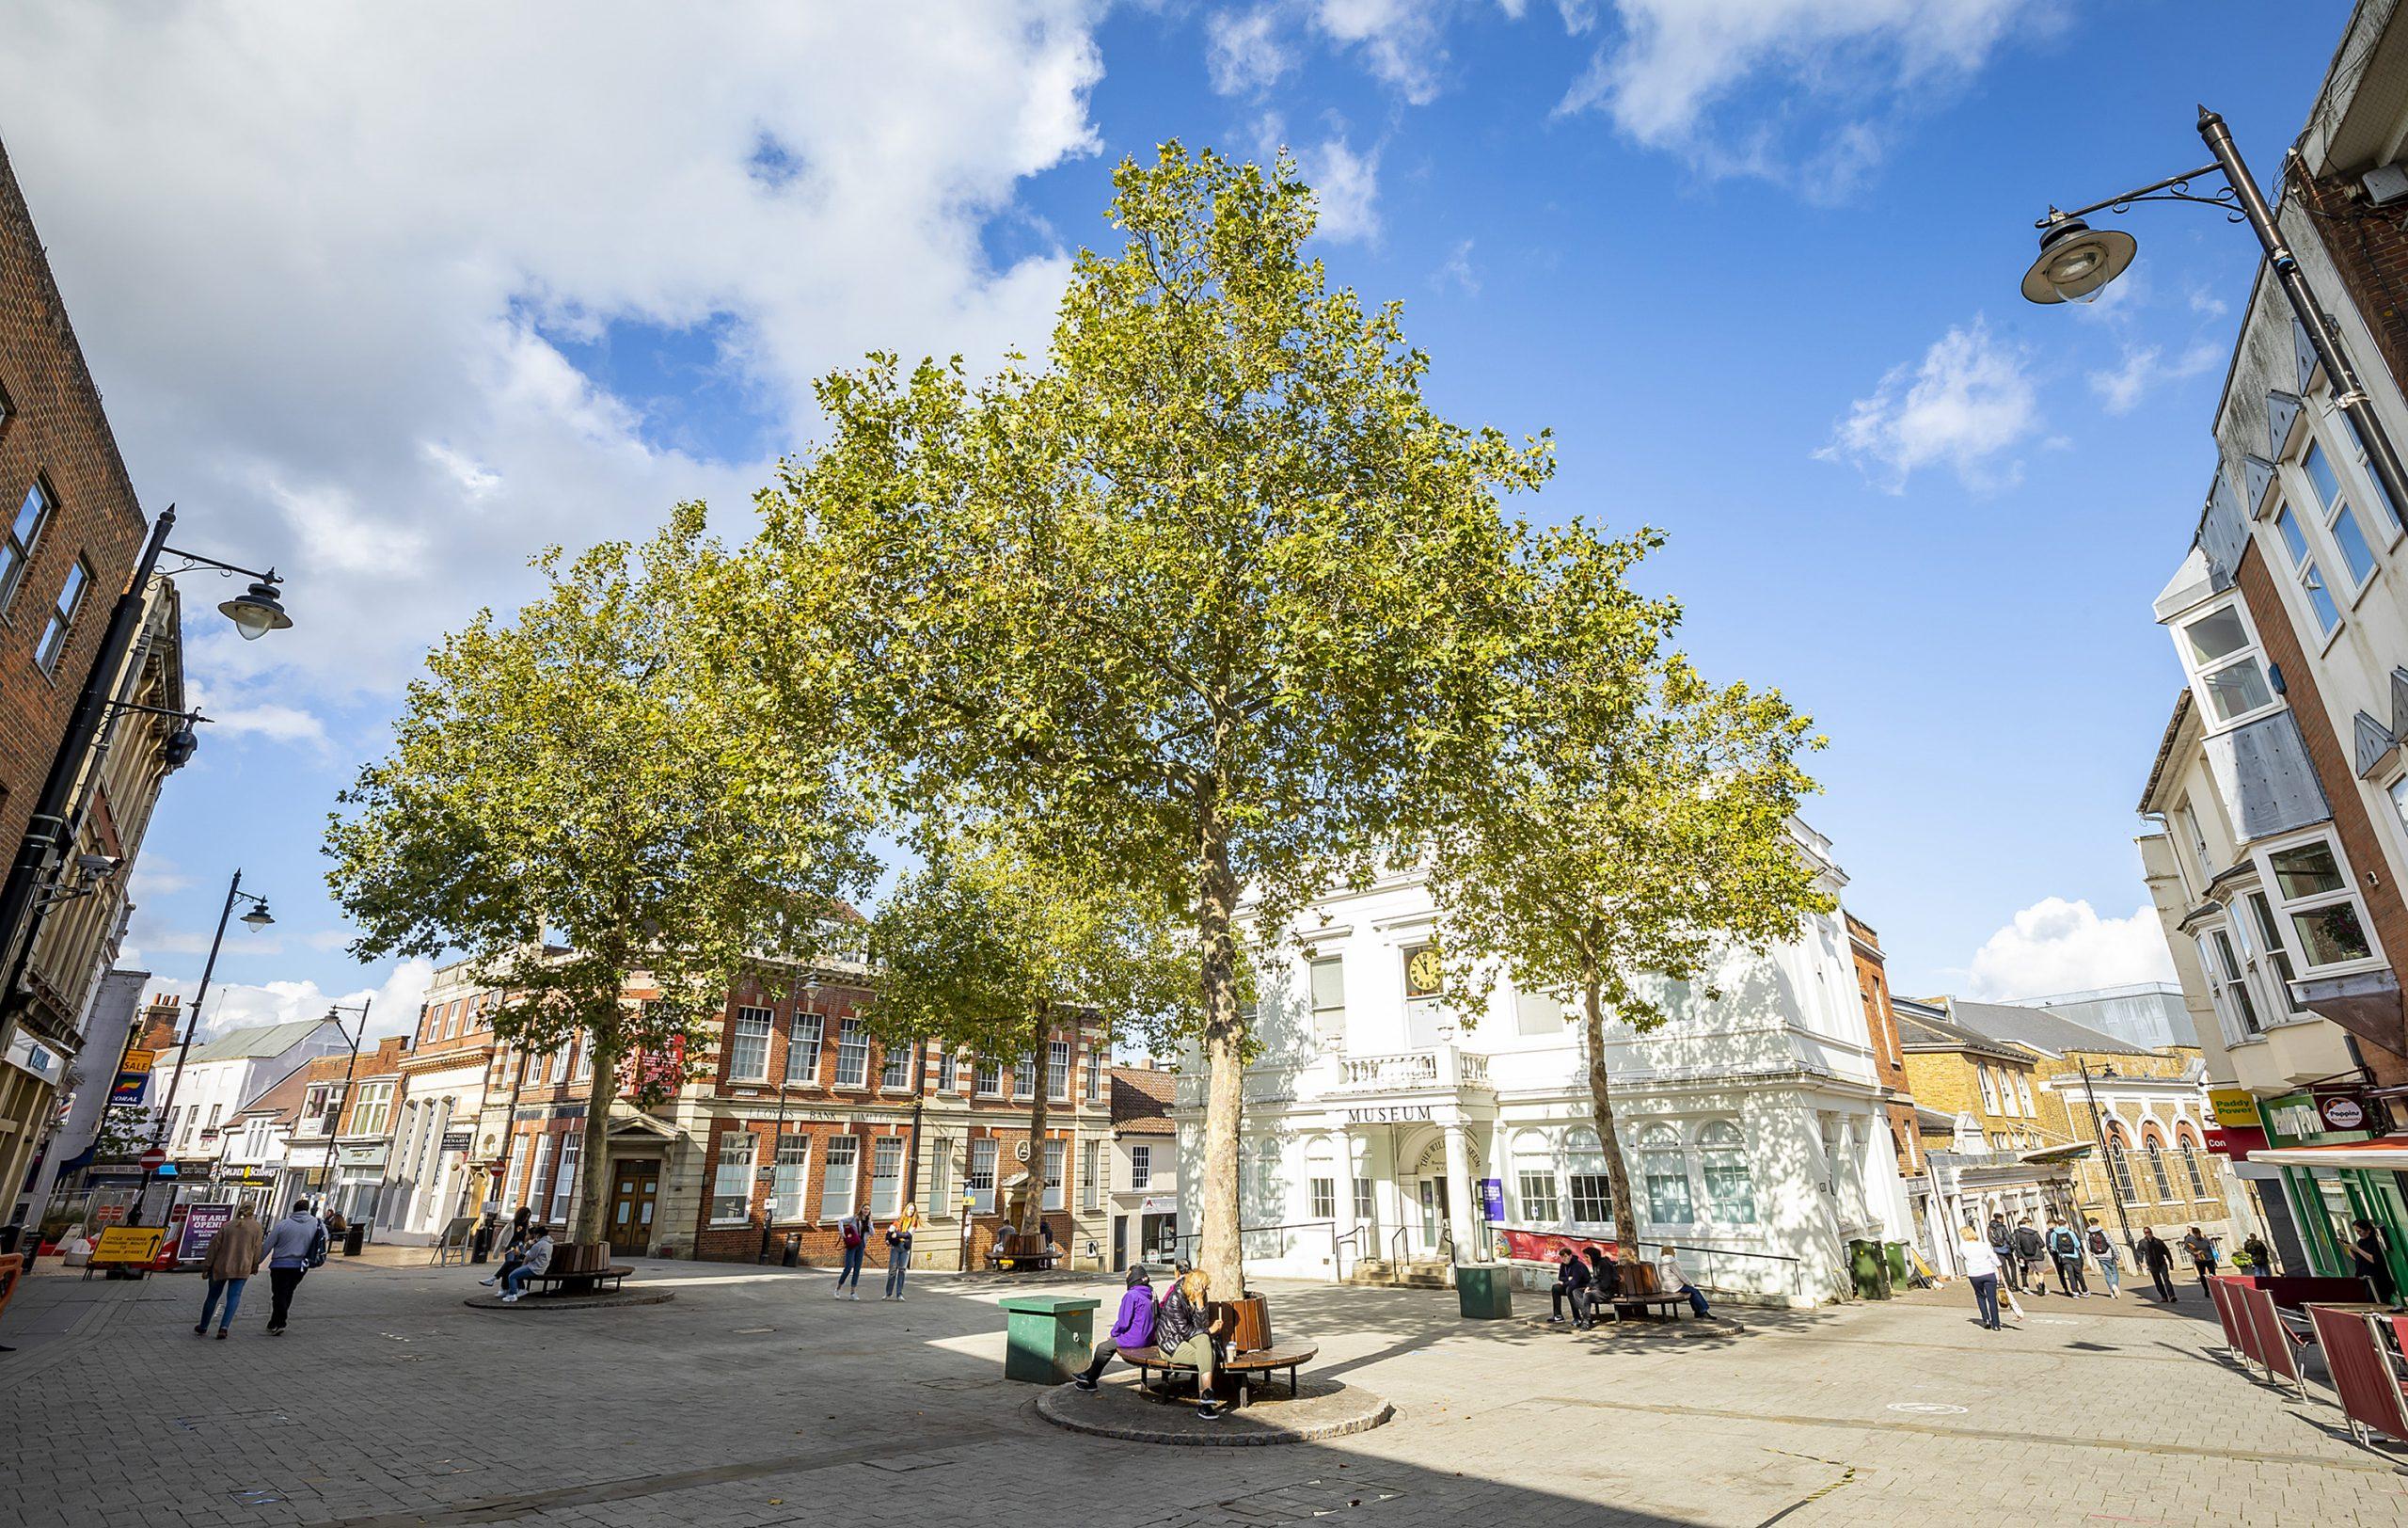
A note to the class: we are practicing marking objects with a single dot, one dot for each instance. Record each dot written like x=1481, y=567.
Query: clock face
x=1422, y=972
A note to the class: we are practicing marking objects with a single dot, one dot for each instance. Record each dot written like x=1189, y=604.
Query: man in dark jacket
x=2158, y=1259
x=1571, y=1283
x=2002, y=1247
x=1605, y=1282
x=2033, y=1253
x=1134, y=1327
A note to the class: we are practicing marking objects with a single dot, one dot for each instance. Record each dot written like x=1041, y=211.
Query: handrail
x=1728, y=1251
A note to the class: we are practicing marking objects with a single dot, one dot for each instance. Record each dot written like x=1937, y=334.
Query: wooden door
x=635, y=1186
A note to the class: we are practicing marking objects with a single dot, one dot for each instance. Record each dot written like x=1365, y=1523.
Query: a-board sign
x=135, y=1245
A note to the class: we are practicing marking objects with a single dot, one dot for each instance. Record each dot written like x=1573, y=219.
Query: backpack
x=853, y=1233
x=316, y=1257
x=2099, y=1246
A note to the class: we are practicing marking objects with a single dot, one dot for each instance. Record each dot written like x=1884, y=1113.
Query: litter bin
x=1483, y=1291
x=1895, y=1255
x=1869, y=1272
x=794, y=1250
x=1047, y=1337
x=354, y=1239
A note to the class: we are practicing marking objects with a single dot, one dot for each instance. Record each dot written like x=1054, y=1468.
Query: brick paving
x=754, y=1399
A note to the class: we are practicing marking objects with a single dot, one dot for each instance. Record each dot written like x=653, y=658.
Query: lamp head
x=256, y=611
x=257, y=917
x=2076, y=261
x=178, y=750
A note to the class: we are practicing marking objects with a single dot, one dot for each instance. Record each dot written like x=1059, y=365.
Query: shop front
x=360, y=1181
x=2337, y=1171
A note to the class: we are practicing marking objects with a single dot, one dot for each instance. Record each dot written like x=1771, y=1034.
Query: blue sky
x=1758, y=276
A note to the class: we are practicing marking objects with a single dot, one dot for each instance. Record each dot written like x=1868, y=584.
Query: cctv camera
x=99, y=867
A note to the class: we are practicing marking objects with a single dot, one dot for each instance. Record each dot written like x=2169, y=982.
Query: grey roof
x=1922, y=1028
x=1934, y=1122
x=2036, y=1027
x=266, y=1040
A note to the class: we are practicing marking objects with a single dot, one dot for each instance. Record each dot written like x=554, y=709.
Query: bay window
x=2325, y=923
x=2222, y=657
x=2228, y=986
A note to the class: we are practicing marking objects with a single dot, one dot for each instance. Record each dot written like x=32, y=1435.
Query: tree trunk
x=1035, y=1211
x=593, y=1166
x=1592, y=1020
x=1219, y=1252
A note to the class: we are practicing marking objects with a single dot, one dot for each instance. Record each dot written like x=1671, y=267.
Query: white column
x=1460, y=1189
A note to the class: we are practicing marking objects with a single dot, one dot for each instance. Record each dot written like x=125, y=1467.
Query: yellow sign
x=2233, y=1106
x=138, y=1059
x=128, y=1244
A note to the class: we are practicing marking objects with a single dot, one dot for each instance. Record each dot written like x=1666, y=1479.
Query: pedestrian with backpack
x=2002, y=1248
x=2102, y=1252
x=2064, y=1251
x=293, y=1247
x=855, y=1232
x=2030, y=1256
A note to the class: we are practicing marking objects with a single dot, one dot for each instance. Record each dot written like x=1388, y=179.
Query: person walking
x=233, y=1257
x=2203, y=1255
x=2158, y=1259
x=2064, y=1251
x=855, y=1234
x=1572, y=1280
x=2031, y=1255
x=2002, y=1247
x=538, y=1258
x=1132, y=1327
x=1183, y=1332
x=2103, y=1251
x=293, y=1247
x=2366, y=1259
x=1982, y=1272
x=899, y=1249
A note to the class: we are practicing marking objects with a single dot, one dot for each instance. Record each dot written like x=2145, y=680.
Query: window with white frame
x=948, y=1073
x=1327, y=978
x=940, y=1177
x=564, y=1181
x=2187, y=819
x=803, y=1034
x=2119, y=1171
x=584, y=1060
x=1095, y=1071
x=511, y=1179
x=538, y=1187
x=1538, y=1012
x=2261, y=940
x=748, y=1047
x=1591, y=1185
x=1057, y=1071
x=2157, y=1170
x=885, y=1177
x=1055, y=1151
x=1664, y=1169
x=2191, y=1167
x=2228, y=986
x=1323, y=1194
x=1140, y=1168
x=1090, y=1190
x=990, y=1076
x=2310, y=576
x=24, y=534
x=838, y=1181
x=981, y=1182
x=1367, y=1206
x=375, y=1106
x=1989, y=1090
x=2327, y=923
x=1730, y=1183
x=2388, y=518
x=2024, y=1094
x=63, y=612
x=2226, y=671
x=897, y=1074
x=2340, y=518
x=1024, y=1078
x=787, y=1176
x=853, y=1055
x=1534, y=1184
x=731, y=1183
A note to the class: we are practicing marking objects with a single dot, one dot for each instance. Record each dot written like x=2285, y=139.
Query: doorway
x=1433, y=1192
x=635, y=1187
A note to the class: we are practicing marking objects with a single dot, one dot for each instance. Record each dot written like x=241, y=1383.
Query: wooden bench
x=583, y=1268
x=1262, y=1361
x=1641, y=1292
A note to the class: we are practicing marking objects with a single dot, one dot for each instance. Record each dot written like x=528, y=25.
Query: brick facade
x=2328, y=755
x=1889, y=1058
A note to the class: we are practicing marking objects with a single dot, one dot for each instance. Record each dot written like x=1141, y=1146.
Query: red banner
x=1549, y=1246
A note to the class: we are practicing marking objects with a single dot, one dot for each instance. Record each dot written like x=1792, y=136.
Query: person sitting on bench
x=1132, y=1328
x=1668, y=1271
x=1182, y=1332
x=1572, y=1283
x=1604, y=1282
x=539, y=1257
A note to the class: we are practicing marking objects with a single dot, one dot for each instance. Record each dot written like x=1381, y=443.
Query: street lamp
x=2077, y=260
x=256, y=611
x=258, y=917
x=350, y=1074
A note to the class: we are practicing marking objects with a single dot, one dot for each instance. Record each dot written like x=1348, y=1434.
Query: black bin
x=353, y=1238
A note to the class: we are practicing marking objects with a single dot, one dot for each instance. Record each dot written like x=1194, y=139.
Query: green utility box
x=1484, y=1291
x=1895, y=1255
x=1867, y=1269
x=1047, y=1338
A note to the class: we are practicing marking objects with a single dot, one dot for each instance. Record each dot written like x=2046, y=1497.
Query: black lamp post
x=341, y=1100
x=2076, y=261
x=257, y=918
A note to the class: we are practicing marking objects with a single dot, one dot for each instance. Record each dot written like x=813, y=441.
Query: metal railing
x=1183, y=1243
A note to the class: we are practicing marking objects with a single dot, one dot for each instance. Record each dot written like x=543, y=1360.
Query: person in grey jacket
x=293, y=1246
x=538, y=1258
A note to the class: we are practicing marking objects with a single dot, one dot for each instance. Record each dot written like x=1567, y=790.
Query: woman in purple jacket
x=1132, y=1328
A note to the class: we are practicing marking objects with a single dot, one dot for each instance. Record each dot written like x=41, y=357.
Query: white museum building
x=1375, y=1116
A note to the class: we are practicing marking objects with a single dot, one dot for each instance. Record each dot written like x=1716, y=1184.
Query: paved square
x=754, y=1399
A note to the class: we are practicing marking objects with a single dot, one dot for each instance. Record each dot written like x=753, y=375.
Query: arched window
x=1666, y=1171
x=1534, y=1188
x=1730, y=1184
x=1592, y=1190
x=2119, y=1165
x=2156, y=1150
x=2189, y=1144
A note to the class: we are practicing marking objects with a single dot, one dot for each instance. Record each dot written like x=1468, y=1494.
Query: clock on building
x=1422, y=972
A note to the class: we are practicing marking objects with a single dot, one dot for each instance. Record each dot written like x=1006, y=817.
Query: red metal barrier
x=2361, y=1372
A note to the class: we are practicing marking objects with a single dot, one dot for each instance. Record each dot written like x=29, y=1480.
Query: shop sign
x=2233, y=1106
x=2341, y=1112
x=1158, y=1205
x=202, y=1222
x=1388, y=1114
x=458, y=1140
x=361, y=1156
x=2291, y=1119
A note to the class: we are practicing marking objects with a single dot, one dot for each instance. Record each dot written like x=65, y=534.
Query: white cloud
x=1401, y=41
x=1243, y=52
x=155, y=875
x=2056, y=946
x=1456, y=269
x=2143, y=366
x=393, y=1003
x=2203, y=302
x=231, y=714
x=1347, y=186
x=1964, y=406
x=1668, y=76
x=316, y=291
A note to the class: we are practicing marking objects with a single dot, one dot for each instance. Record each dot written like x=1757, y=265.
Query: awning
x=2073, y=1152
x=2381, y=1152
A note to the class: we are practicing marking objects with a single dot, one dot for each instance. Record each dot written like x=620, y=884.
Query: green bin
x=1048, y=1338
x=1897, y=1259
x=1484, y=1291
x=1868, y=1271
